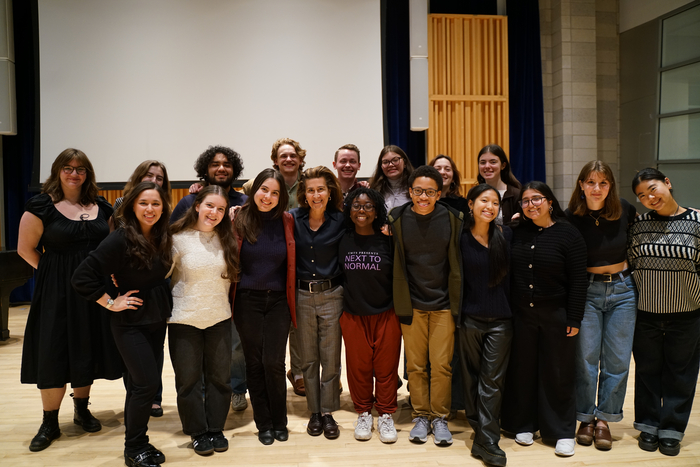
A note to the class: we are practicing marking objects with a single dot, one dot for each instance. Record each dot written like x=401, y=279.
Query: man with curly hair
x=218, y=165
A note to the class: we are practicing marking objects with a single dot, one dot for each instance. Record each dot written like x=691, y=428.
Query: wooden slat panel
x=468, y=85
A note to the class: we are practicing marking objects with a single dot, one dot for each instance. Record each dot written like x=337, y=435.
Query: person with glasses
x=427, y=299
x=370, y=328
x=390, y=176
x=67, y=339
x=607, y=330
x=664, y=252
x=318, y=228
x=548, y=295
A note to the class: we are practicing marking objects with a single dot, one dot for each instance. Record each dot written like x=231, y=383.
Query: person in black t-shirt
x=371, y=329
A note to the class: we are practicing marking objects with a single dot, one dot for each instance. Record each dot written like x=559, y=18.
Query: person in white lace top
x=205, y=262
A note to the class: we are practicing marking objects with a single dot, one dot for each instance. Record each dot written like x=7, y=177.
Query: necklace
x=668, y=223
x=595, y=218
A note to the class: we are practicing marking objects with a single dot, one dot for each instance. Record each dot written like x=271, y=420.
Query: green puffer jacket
x=402, y=294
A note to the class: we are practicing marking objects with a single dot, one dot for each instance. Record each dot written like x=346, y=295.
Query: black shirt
x=317, y=252
x=607, y=241
x=367, y=265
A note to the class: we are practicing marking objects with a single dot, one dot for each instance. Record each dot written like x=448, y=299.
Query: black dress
x=67, y=339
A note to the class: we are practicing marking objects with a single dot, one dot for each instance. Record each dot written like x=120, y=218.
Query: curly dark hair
x=379, y=207
x=427, y=171
x=201, y=165
x=141, y=250
x=223, y=229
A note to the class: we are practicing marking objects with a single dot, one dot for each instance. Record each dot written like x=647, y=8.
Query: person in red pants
x=370, y=328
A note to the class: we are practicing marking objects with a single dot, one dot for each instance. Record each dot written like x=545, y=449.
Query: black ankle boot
x=48, y=431
x=83, y=417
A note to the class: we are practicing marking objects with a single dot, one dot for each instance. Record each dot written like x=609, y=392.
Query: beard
x=225, y=184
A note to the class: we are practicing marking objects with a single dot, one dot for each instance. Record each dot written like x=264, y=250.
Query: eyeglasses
x=535, y=201
x=367, y=207
x=431, y=193
x=68, y=169
x=395, y=162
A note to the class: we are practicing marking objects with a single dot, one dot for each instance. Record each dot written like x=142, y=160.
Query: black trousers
x=262, y=319
x=195, y=353
x=139, y=347
x=541, y=377
x=485, y=350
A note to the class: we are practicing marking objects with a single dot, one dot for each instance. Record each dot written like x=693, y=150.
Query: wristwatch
x=110, y=302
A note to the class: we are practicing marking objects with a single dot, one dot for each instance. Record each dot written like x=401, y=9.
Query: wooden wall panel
x=176, y=195
x=468, y=82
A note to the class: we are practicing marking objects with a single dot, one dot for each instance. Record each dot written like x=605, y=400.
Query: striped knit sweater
x=665, y=255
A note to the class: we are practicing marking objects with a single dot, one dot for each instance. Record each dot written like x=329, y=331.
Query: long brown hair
x=506, y=175
x=248, y=222
x=612, y=208
x=379, y=181
x=52, y=185
x=223, y=229
x=141, y=172
x=335, y=202
x=453, y=189
x=141, y=250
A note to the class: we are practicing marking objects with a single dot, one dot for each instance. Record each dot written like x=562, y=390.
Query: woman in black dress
x=67, y=339
x=138, y=255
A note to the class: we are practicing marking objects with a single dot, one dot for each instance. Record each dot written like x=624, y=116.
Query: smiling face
x=287, y=160
x=73, y=180
x=220, y=171
x=539, y=214
x=596, y=188
x=268, y=195
x=211, y=211
x=392, y=165
x=347, y=165
x=155, y=174
x=317, y=194
x=362, y=214
x=443, y=166
x=485, y=206
x=422, y=203
x=490, y=167
x=656, y=195
x=148, y=208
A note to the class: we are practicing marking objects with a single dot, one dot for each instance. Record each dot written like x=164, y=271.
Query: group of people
x=536, y=310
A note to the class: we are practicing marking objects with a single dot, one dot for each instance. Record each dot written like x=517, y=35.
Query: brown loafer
x=603, y=438
x=315, y=426
x=297, y=384
x=584, y=435
x=330, y=427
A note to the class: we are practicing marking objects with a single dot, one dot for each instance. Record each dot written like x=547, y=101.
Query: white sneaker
x=525, y=439
x=565, y=447
x=363, y=427
x=386, y=428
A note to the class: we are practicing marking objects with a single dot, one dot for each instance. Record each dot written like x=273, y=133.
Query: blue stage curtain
x=19, y=150
x=526, y=101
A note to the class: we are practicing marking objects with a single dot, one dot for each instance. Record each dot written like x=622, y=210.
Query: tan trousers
x=430, y=338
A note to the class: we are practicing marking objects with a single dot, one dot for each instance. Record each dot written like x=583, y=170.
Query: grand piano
x=14, y=271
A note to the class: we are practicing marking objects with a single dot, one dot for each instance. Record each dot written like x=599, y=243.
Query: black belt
x=318, y=286
x=610, y=277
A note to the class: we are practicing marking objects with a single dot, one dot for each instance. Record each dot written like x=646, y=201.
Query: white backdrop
x=129, y=80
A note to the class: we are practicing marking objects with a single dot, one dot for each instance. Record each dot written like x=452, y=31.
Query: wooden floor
x=20, y=417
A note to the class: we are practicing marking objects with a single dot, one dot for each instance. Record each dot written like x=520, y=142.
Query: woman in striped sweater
x=664, y=251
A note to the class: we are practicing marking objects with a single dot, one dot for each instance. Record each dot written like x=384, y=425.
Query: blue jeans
x=238, y=382
x=605, y=339
x=667, y=358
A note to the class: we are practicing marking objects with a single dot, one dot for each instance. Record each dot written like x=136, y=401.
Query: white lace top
x=200, y=295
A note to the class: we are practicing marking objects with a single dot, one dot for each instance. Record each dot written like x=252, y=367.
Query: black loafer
x=282, y=435
x=315, y=426
x=489, y=453
x=156, y=454
x=669, y=447
x=142, y=460
x=648, y=442
x=266, y=437
x=330, y=427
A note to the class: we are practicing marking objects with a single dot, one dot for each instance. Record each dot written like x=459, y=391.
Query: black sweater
x=548, y=268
